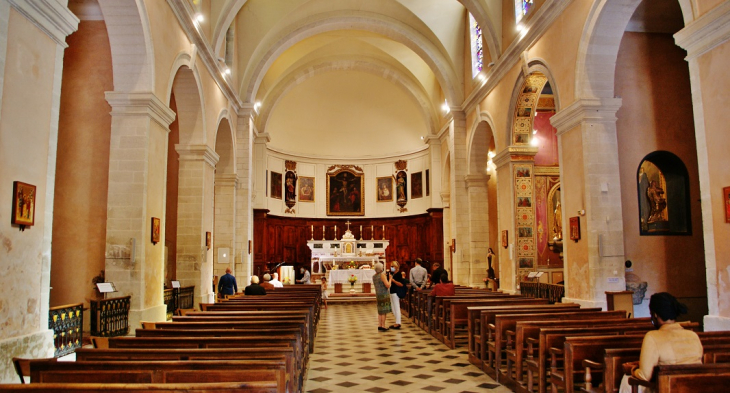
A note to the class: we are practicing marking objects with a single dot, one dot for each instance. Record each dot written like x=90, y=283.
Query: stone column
x=434, y=149
x=478, y=226
x=137, y=190
x=244, y=195
x=590, y=183
x=446, y=202
x=195, y=218
x=706, y=42
x=459, y=199
x=224, y=230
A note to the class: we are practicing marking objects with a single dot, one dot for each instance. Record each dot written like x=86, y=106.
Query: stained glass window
x=477, y=49
x=522, y=7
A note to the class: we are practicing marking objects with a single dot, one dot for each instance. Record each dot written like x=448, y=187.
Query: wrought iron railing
x=110, y=317
x=67, y=323
x=186, y=299
x=553, y=292
x=176, y=298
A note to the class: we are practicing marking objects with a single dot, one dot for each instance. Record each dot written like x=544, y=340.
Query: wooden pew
x=525, y=330
x=474, y=325
x=43, y=371
x=219, y=387
x=437, y=308
x=688, y=378
x=151, y=354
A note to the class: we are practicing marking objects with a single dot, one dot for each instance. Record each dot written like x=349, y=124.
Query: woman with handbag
x=398, y=290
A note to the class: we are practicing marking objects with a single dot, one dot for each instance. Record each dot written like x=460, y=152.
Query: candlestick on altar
x=360, y=232
x=335, y=232
x=372, y=232
x=312, y=232
x=323, y=232
x=383, y=232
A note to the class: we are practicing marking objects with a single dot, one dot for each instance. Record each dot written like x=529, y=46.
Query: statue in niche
x=558, y=228
x=657, y=201
x=634, y=284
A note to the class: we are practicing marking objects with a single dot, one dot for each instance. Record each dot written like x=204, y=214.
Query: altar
x=334, y=254
x=364, y=276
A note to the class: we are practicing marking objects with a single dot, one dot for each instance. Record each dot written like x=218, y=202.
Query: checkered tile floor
x=351, y=355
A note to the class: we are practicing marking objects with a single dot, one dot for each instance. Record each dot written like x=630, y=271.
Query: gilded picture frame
x=24, y=201
x=384, y=186
x=306, y=189
x=345, y=193
x=155, y=229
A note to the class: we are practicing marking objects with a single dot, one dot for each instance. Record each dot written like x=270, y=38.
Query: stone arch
x=225, y=145
x=599, y=44
x=364, y=64
x=185, y=84
x=481, y=133
x=433, y=55
x=132, y=49
x=225, y=19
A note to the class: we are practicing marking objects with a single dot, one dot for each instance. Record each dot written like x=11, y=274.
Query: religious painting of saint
x=428, y=183
x=524, y=112
x=526, y=263
x=155, y=230
x=345, y=194
x=290, y=189
x=653, y=211
x=574, y=228
x=726, y=199
x=306, y=189
x=524, y=202
x=401, y=186
x=275, y=185
x=522, y=172
x=520, y=138
x=416, y=185
x=525, y=231
x=385, y=189
x=23, y=204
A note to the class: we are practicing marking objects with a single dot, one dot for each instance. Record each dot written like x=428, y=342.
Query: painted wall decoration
x=417, y=185
x=24, y=197
x=401, y=185
x=155, y=235
x=525, y=222
x=276, y=189
x=290, y=186
x=345, y=196
x=306, y=189
x=385, y=189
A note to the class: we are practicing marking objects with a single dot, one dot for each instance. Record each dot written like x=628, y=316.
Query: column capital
x=706, y=32
x=197, y=153
x=140, y=104
x=514, y=154
x=446, y=199
x=54, y=19
x=227, y=179
x=476, y=181
x=584, y=110
x=262, y=137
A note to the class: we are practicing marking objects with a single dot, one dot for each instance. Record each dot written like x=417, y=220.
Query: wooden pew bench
x=218, y=387
x=688, y=378
x=43, y=371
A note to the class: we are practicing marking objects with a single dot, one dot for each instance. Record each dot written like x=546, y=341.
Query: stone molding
x=446, y=199
x=706, y=32
x=198, y=153
x=54, y=19
x=476, y=181
x=583, y=110
x=263, y=137
x=140, y=104
x=514, y=154
x=546, y=170
x=227, y=180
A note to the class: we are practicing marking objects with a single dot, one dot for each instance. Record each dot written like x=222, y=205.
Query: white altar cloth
x=341, y=276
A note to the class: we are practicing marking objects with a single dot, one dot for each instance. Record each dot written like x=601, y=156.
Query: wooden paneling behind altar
x=279, y=239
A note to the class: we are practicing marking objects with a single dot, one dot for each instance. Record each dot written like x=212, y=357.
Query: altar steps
x=351, y=298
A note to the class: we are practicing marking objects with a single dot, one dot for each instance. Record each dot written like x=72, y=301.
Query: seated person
x=267, y=282
x=669, y=344
x=436, y=274
x=275, y=281
x=443, y=288
x=254, y=289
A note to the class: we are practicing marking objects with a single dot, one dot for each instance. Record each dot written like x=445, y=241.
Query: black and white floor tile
x=351, y=355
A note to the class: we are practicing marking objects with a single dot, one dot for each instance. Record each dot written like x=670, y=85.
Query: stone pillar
x=478, y=226
x=224, y=230
x=434, y=149
x=590, y=183
x=446, y=202
x=244, y=195
x=459, y=199
x=195, y=218
x=137, y=190
x=706, y=42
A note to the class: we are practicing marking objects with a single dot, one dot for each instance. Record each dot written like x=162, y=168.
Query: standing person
x=305, y=276
x=436, y=274
x=397, y=290
x=669, y=344
x=254, y=289
x=227, y=284
x=382, y=295
x=490, y=271
x=325, y=296
x=275, y=281
x=418, y=276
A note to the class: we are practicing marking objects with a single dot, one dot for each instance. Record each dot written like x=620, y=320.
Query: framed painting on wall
x=385, y=189
x=155, y=230
x=726, y=200
x=306, y=189
x=345, y=195
x=505, y=240
x=23, y=213
x=575, y=228
x=276, y=185
x=416, y=185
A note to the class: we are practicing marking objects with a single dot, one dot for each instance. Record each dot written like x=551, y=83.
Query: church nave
x=404, y=360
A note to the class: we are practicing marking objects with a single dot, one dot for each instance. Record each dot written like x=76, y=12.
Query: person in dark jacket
x=227, y=284
x=254, y=289
x=436, y=274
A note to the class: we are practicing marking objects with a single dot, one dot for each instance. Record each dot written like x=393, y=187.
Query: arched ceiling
x=410, y=54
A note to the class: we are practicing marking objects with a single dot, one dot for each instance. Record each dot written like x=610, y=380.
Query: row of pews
x=253, y=344
x=529, y=345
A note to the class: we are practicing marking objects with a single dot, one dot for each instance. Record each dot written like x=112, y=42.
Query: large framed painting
x=23, y=212
x=306, y=189
x=345, y=193
x=663, y=193
x=385, y=189
x=275, y=185
x=416, y=185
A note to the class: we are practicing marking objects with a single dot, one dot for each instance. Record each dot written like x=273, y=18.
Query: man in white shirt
x=418, y=276
x=275, y=281
x=305, y=277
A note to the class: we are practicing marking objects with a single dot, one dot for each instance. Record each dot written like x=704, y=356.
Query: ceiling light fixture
x=199, y=17
x=445, y=107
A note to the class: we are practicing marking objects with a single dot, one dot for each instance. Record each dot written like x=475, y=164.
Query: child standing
x=324, y=292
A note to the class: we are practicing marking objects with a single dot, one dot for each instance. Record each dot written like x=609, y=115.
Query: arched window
x=522, y=7
x=663, y=191
x=477, y=49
